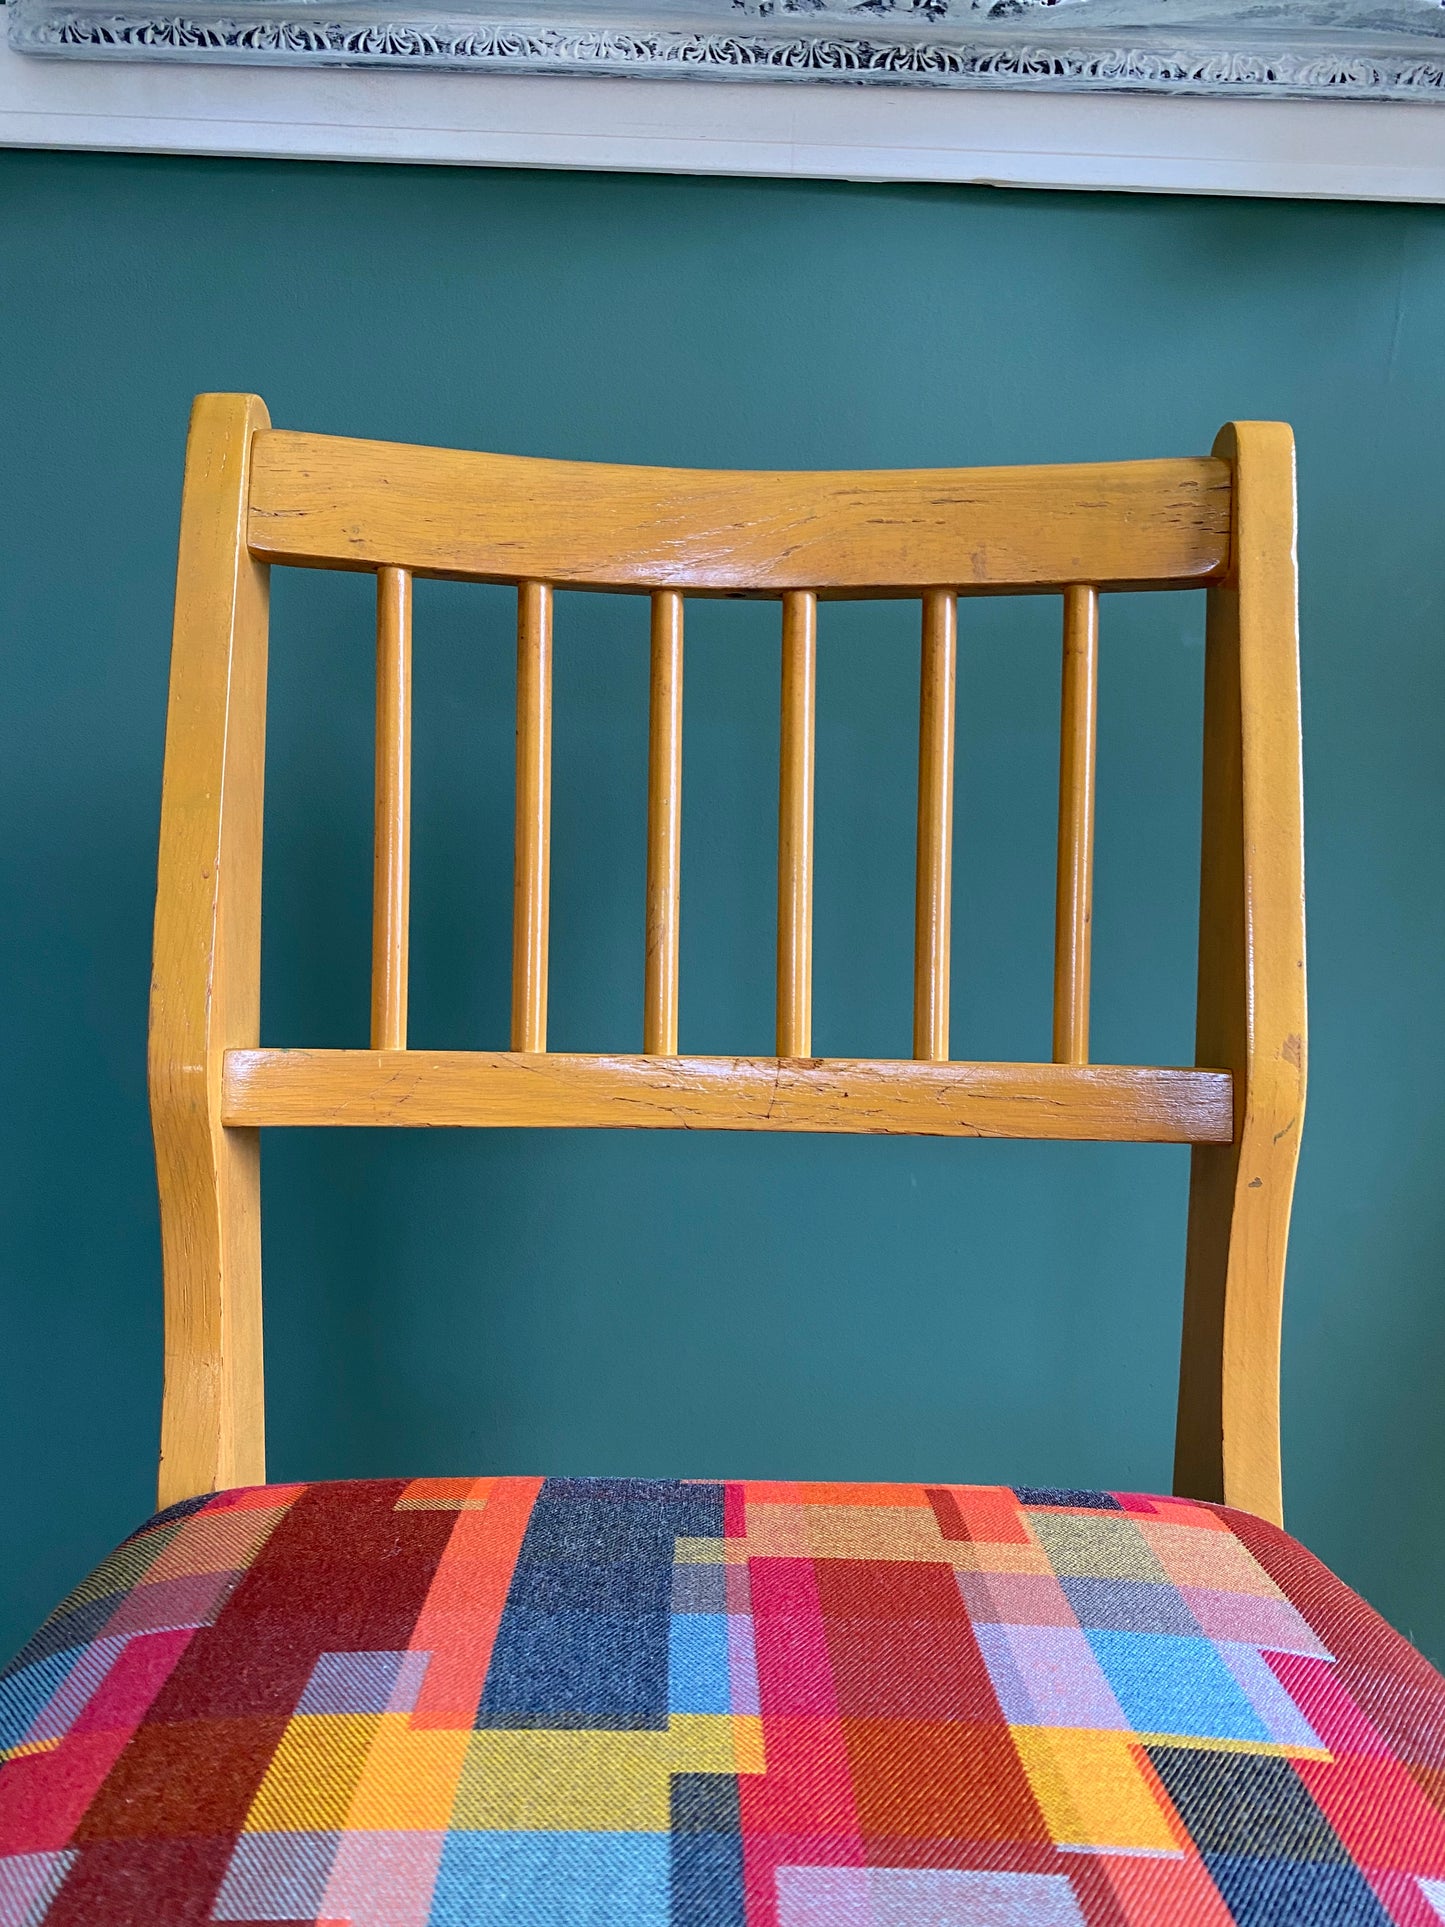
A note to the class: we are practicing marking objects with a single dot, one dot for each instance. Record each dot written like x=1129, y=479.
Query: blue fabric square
x=28, y=1690
x=1130, y=1606
x=707, y=1851
x=1245, y=1806
x=700, y=1588
x=1295, y=1893
x=578, y=1669
x=610, y=1584
x=1170, y=1685
x=584, y=1636
x=1066, y=1495
x=707, y=1880
x=698, y=1680
x=552, y=1880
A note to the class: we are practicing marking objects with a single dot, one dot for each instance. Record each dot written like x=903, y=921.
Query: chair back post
x=1251, y=1012
x=206, y=977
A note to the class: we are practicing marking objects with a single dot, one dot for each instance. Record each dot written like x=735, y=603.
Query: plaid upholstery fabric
x=598, y=1702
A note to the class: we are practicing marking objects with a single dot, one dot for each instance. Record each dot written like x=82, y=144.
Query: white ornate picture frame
x=1337, y=98
x=1332, y=49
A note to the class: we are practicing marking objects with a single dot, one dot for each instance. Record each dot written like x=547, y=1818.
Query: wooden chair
x=507, y=1701
x=256, y=497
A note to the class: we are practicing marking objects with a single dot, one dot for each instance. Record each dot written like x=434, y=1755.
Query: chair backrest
x=255, y=496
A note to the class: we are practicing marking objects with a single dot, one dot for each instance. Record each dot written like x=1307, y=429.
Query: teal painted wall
x=698, y=1304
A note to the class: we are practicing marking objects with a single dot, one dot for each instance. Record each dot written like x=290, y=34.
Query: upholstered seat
x=578, y=1702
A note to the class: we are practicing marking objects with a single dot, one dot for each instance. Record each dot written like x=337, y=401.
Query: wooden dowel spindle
x=391, y=856
x=664, y=827
x=1073, y=903
x=795, y=825
x=934, y=900
x=530, y=899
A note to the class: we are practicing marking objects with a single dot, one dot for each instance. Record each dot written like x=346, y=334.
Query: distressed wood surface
x=1123, y=1103
x=206, y=970
x=1251, y=1014
x=323, y=501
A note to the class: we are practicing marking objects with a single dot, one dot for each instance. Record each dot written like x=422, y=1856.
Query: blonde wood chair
x=256, y=497
x=514, y=1701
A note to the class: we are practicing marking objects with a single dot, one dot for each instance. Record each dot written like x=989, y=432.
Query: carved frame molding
x=900, y=46
x=807, y=128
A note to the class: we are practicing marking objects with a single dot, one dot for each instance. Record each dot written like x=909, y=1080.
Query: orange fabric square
x=822, y=1492
x=989, y=1515
x=953, y=1779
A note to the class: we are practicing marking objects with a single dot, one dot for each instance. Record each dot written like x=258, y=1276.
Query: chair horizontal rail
x=1120, y=1103
x=325, y=502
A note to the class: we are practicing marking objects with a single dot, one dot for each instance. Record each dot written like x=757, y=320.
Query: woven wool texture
x=636, y=1703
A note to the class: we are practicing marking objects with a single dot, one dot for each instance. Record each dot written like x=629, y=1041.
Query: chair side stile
x=206, y=976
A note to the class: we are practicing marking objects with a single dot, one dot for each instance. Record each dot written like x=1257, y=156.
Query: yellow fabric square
x=536, y=1782
x=446, y=1495
x=1097, y=1545
x=998, y=1556
x=712, y=1742
x=1093, y=1789
x=844, y=1532
x=545, y=1782
x=408, y=1783
x=709, y=1552
x=313, y=1773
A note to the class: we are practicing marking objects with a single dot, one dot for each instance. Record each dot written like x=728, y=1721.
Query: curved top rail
x=323, y=502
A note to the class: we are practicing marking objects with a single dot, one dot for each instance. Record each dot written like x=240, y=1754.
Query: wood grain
x=795, y=824
x=532, y=867
x=1126, y=1104
x=321, y=501
x=933, y=891
x=391, y=847
x=1251, y=993
x=1074, y=886
x=664, y=828
x=206, y=970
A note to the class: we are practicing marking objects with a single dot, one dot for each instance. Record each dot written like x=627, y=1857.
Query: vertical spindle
x=391, y=851
x=933, y=909
x=530, y=899
x=795, y=825
x=664, y=827
x=1073, y=903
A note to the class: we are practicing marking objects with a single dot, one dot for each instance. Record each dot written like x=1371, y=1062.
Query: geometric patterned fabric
x=646, y=1703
